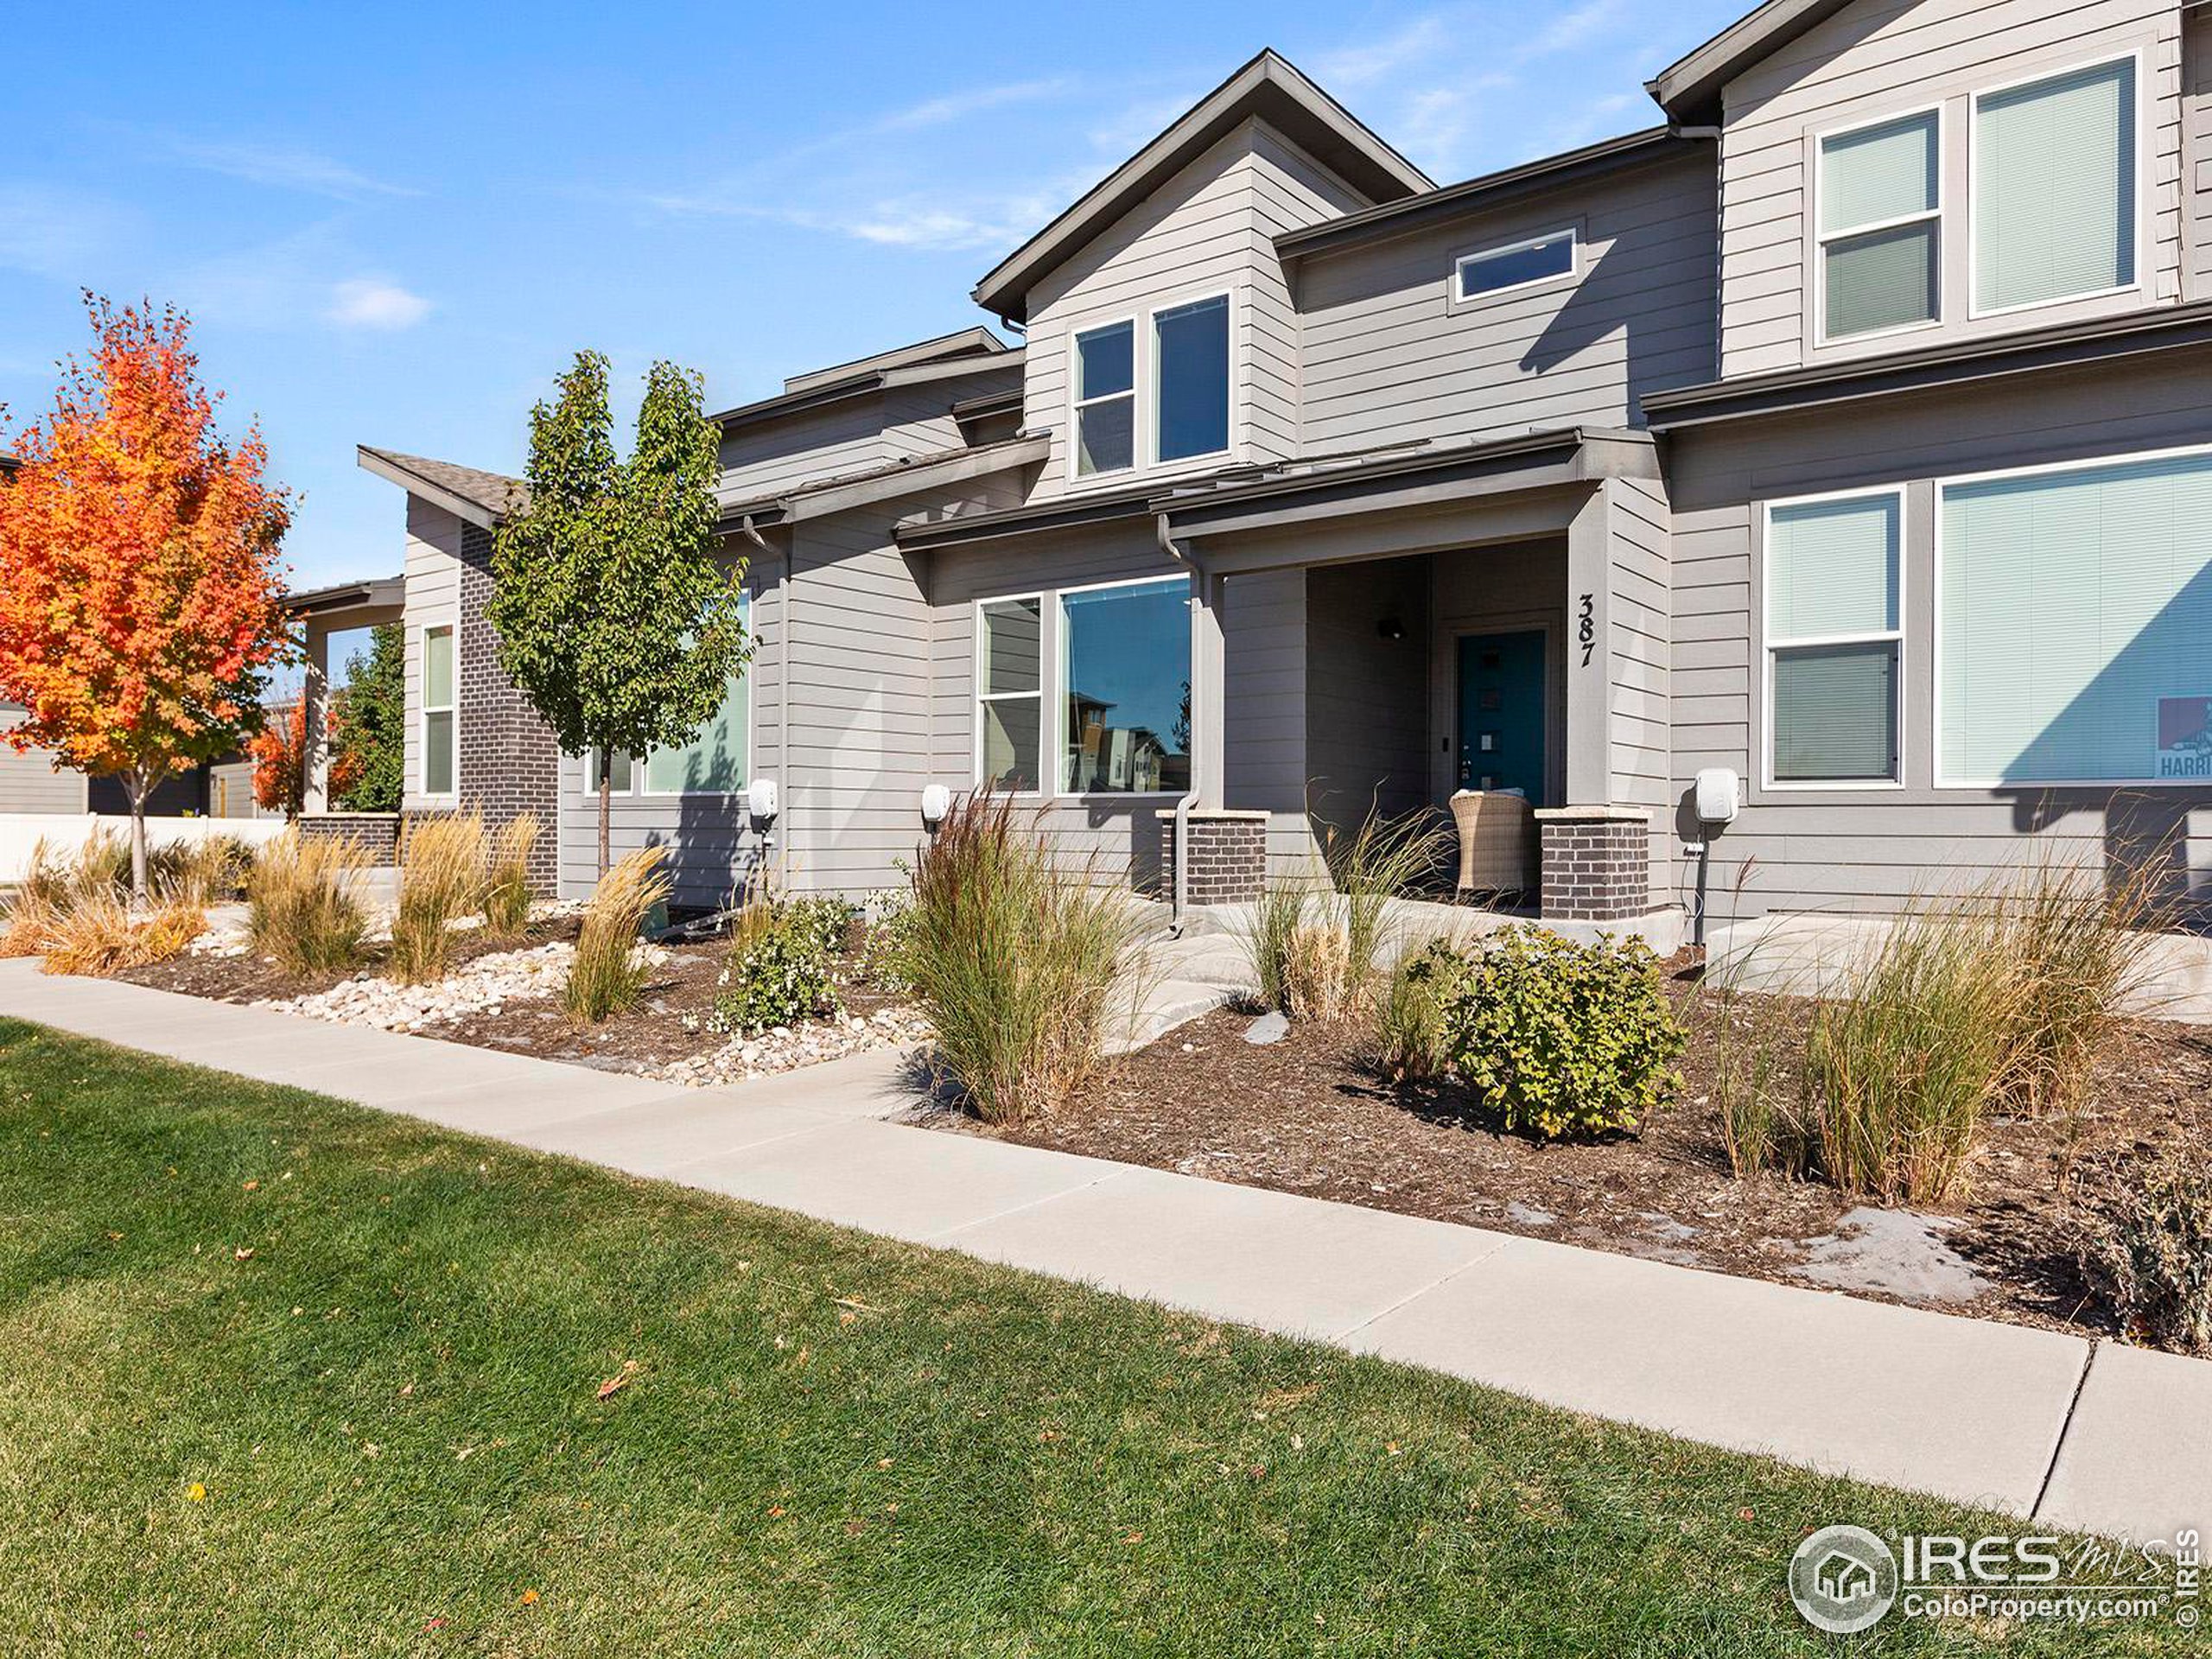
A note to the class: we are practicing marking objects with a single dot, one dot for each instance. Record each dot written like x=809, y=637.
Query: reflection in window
x=1106, y=399
x=1537, y=260
x=1125, y=686
x=1193, y=341
x=1009, y=693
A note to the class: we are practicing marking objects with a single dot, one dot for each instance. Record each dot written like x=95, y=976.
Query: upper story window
x=1540, y=259
x=1105, y=398
x=1161, y=393
x=2054, y=188
x=1881, y=226
x=1191, y=343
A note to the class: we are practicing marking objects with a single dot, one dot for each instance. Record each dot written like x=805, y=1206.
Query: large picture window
x=1009, y=692
x=437, y=711
x=1125, y=689
x=1833, y=636
x=2074, y=641
x=1879, y=226
x=1191, y=342
x=2054, y=188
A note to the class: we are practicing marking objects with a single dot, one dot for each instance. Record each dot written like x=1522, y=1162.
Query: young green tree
x=617, y=615
x=369, y=725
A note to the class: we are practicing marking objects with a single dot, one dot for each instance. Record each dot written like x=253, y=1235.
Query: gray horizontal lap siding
x=1388, y=356
x=29, y=781
x=1875, y=848
x=1873, y=59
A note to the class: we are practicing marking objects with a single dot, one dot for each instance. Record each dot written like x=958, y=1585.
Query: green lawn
x=284, y=1377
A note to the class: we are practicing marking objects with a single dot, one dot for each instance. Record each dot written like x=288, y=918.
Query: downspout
x=1191, y=562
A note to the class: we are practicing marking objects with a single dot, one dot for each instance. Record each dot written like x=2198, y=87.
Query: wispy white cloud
x=957, y=106
x=55, y=232
x=282, y=166
x=1575, y=28
x=371, y=303
x=1362, y=64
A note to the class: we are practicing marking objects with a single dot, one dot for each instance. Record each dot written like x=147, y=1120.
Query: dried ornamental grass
x=607, y=972
x=506, y=878
x=301, y=907
x=441, y=881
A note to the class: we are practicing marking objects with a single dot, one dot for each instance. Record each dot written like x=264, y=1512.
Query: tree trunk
x=606, y=808
x=135, y=786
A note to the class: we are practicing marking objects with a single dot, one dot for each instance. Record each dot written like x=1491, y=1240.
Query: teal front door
x=1502, y=712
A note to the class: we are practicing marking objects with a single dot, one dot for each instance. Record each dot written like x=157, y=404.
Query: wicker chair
x=1497, y=842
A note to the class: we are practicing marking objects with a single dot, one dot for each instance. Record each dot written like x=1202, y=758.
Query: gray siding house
x=1846, y=431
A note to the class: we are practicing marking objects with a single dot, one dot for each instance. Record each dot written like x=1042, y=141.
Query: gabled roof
x=481, y=497
x=1690, y=90
x=886, y=482
x=971, y=350
x=1269, y=87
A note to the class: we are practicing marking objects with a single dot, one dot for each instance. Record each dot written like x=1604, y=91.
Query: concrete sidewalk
x=2093, y=1436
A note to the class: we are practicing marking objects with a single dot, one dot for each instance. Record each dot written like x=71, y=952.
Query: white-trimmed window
x=2054, y=167
x=1834, y=639
x=1190, y=344
x=1124, y=686
x=438, y=716
x=2074, y=624
x=620, y=771
x=1010, y=693
x=1881, y=226
x=1105, y=371
x=1517, y=264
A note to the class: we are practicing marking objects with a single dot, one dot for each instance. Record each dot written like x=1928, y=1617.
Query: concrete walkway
x=2093, y=1436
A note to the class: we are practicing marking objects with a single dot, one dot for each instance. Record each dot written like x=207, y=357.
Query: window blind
x=2073, y=604
x=2054, y=187
x=1879, y=278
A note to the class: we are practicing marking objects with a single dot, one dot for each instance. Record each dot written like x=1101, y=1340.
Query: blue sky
x=393, y=225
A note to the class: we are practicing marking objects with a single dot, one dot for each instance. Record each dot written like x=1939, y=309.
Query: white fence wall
x=67, y=832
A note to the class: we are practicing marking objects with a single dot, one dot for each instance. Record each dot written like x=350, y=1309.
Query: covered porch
x=320, y=615
x=1382, y=634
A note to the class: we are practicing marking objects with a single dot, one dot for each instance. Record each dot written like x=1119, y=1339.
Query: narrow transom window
x=1191, y=343
x=1540, y=259
x=1009, y=692
x=437, y=711
x=1834, y=633
x=1105, y=399
x=2054, y=188
x=1125, y=689
x=1880, y=227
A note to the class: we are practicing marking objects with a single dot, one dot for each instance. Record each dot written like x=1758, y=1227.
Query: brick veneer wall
x=377, y=833
x=508, y=762
x=1229, y=856
x=1596, y=863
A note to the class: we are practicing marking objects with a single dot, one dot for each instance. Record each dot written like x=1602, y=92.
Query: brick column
x=376, y=833
x=1597, y=863
x=507, y=763
x=1228, y=855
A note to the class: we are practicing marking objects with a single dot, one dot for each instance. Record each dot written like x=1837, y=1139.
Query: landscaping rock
x=1896, y=1251
x=1270, y=1027
x=487, y=983
x=789, y=1047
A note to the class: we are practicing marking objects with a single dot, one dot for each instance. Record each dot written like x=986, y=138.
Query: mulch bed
x=1311, y=1114
x=650, y=1034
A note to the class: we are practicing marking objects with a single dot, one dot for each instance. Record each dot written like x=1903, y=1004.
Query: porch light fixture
x=1390, y=628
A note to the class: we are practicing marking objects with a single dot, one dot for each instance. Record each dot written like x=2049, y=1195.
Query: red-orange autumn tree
x=140, y=581
x=280, y=761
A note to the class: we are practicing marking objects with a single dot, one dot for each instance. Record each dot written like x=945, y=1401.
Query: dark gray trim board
x=1269, y=87
x=1547, y=173
x=2070, y=346
x=1689, y=89
x=379, y=593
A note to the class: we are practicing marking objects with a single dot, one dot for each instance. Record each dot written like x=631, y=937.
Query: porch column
x=1589, y=610
x=1209, y=681
x=315, y=697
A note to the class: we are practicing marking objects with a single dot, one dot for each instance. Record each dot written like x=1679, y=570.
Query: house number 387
x=1585, y=629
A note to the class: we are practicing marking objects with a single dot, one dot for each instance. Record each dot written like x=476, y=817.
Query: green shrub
x=609, y=970
x=1409, y=1021
x=1017, y=960
x=2150, y=1252
x=301, y=908
x=780, y=974
x=825, y=921
x=1564, y=1038
x=888, y=920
